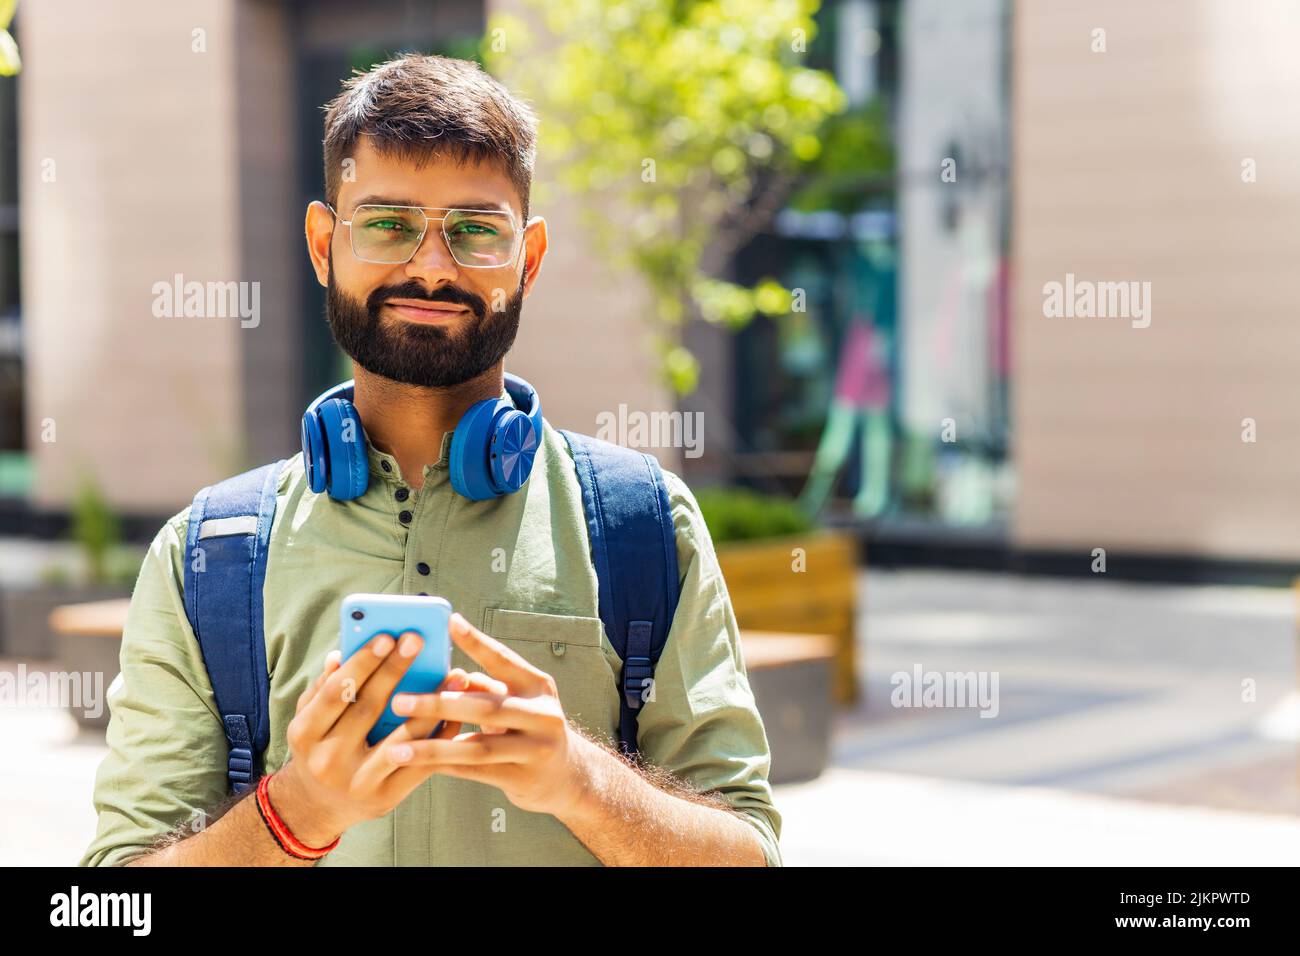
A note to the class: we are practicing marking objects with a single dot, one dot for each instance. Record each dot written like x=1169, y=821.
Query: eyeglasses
x=476, y=238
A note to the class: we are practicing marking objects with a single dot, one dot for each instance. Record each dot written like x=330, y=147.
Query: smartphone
x=362, y=617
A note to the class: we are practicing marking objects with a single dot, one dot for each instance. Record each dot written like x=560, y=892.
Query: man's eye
x=387, y=225
x=475, y=228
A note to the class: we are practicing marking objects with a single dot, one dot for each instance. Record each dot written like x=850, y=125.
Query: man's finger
x=492, y=776
x=379, y=686
x=482, y=682
x=456, y=679
x=332, y=662
x=497, y=659
x=471, y=707
x=418, y=728
x=469, y=749
x=343, y=686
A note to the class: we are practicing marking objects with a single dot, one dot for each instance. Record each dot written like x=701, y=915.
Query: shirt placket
x=420, y=514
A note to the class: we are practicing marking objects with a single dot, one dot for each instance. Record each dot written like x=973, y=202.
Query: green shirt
x=519, y=567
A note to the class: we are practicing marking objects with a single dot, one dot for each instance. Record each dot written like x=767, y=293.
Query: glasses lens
x=386, y=233
x=480, y=238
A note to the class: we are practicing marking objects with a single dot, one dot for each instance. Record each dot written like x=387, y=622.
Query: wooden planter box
x=767, y=594
x=88, y=638
x=791, y=675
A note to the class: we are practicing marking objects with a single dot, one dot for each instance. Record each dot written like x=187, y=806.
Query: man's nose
x=433, y=261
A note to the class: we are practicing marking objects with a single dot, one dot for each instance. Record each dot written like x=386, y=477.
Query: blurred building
x=1169, y=159
x=162, y=140
x=1033, y=144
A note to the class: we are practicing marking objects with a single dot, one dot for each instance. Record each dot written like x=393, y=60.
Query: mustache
x=413, y=290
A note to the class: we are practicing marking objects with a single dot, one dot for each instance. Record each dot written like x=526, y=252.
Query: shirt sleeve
x=165, y=766
x=702, y=723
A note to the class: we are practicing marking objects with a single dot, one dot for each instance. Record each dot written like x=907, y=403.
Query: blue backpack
x=633, y=547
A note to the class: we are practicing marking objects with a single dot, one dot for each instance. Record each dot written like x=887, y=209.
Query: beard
x=430, y=356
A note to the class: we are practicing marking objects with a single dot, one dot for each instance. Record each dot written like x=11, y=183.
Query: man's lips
x=422, y=310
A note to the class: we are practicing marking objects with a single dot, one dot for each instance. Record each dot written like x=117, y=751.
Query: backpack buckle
x=636, y=670
x=239, y=767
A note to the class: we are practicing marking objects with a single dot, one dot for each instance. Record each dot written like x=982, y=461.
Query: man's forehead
x=434, y=179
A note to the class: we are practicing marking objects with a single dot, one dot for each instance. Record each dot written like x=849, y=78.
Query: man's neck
x=409, y=421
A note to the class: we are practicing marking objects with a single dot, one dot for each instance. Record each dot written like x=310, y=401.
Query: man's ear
x=319, y=229
x=535, y=245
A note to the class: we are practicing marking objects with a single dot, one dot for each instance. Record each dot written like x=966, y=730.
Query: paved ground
x=855, y=817
x=1121, y=734
x=1109, y=688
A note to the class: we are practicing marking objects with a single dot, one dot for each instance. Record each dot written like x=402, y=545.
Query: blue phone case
x=393, y=614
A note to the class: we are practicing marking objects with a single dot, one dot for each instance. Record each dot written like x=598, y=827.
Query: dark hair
x=417, y=106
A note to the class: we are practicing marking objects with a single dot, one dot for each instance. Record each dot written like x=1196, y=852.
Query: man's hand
x=334, y=778
x=525, y=745
x=527, y=749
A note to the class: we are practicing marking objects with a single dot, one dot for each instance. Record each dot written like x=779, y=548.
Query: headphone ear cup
x=345, y=449
x=514, y=446
x=470, y=474
x=313, y=453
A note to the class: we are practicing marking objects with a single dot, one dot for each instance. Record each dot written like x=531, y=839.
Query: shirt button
x=422, y=568
x=386, y=466
x=403, y=494
x=404, y=517
x=424, y=594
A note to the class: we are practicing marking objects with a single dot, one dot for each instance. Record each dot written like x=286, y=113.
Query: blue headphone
x=492, y=447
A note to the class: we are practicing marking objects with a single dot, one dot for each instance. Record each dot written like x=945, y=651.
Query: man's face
x=430, y=321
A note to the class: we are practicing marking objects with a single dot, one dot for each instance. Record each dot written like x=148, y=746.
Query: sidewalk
x=854, y=818
x=1174, y=693
x=47, y=774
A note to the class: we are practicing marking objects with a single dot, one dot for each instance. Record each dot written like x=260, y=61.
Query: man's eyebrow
x=476, y=204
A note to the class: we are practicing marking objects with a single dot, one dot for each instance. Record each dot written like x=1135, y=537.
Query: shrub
x=739, y=514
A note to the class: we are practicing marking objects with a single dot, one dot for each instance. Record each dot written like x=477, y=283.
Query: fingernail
x=410, y=645
x=403, y=704
x=458, y=621
x=382, y=645
x=401, y=753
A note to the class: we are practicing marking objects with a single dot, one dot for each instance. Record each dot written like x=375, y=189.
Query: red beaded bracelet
x=280, y=831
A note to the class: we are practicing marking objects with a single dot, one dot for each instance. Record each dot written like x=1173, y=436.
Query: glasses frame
x=352, y=243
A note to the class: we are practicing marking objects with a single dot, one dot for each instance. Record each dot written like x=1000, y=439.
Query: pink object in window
x=862, y=379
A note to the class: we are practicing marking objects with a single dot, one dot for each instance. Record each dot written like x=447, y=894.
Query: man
x=416, y=139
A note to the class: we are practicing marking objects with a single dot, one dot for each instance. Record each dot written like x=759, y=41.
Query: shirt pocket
x=573, y=650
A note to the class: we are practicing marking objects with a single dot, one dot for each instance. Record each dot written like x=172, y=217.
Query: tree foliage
x=10, y=63
x=682, y=127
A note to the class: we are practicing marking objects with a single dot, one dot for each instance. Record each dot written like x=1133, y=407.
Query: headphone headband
x=525, y=399
x=521, y=393
x=342, y=390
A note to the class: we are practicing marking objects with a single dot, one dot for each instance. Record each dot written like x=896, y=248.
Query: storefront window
x=888, y=398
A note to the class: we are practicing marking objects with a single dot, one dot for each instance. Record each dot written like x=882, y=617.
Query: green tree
x=682, y=126
x=10, y=64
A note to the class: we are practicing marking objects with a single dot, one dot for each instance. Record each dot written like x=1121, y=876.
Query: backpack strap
x=634, y=550
x=225, y=567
